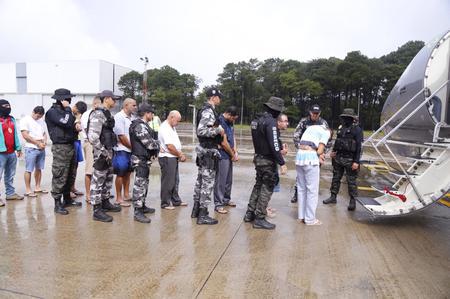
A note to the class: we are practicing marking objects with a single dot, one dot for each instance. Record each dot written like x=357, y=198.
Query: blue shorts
x=78, y=151
x=121, y=163
x=34, y=159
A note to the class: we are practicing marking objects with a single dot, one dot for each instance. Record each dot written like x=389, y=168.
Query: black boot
x=139, y=216
x=249, y=216
x=294, y=198
x=262, y=223
x=109, y=207
x=148, y=210
x=352, y=204
x=100, y=215
x=203, y=217
x=69, y=202
x=195, y=209
x=59, y=207
x=331, y=199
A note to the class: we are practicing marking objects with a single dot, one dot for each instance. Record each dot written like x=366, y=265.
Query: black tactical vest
x=208, y=142
x=137, y=148
x=345, y=140
x=107, y=137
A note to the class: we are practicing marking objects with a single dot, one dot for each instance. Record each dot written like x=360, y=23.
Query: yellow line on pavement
x=445, y=202
x=362, y=188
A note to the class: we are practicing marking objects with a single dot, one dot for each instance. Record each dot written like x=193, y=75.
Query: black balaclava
x=4, y=111
x=274, y=113
x=347, y=120
x=60, y=104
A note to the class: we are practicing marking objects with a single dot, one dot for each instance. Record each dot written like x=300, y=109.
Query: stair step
x=419, y=157
x=438, y=144
x=367, y=201
x=401, y=174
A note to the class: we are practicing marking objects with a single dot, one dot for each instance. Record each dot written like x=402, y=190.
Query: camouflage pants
x=204, y=186
x=63, y=170
x=266, y=179
x=101, y=183
x=141, y=180
x=343, y=165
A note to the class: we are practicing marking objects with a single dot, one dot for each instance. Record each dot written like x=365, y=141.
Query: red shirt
x=8, y=133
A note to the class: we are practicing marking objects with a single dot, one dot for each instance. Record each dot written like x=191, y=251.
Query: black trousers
x=169, y=181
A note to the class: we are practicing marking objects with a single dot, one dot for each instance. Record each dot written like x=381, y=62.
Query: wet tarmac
x=43, y=255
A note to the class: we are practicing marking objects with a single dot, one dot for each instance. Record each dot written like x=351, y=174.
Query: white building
x=26, y=85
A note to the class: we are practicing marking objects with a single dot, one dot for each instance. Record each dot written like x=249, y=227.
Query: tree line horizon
x=332, y=83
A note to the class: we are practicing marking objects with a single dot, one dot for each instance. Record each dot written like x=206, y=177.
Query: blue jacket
x=17, y=145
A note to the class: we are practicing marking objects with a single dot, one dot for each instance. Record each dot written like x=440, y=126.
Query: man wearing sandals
x=143, y=149
x=10, y=149
x=122, y=152
x=33, y=130
x=310, y=155
x=169, y=157
x=228, y=155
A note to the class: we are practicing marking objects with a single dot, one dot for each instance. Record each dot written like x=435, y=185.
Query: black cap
x=315, y=108
x=62, y=94
x=145, y=107
x=108, y=93
x=213, y=91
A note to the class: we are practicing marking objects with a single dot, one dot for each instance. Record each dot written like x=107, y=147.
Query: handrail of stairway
x=437, y=129
x=383, y=140
x=408, y=177
x=392, y=117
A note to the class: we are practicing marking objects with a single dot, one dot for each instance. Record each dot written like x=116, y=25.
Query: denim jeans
x=8, y=167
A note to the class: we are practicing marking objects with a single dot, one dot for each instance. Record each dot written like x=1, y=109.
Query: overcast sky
x=200, y=37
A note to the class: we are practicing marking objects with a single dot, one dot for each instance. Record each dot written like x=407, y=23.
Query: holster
x=208, y=160
x=102, y=163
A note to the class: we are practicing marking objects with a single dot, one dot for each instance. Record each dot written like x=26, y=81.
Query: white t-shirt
x=168, y=135
x=316, y=134
x=84, y=121
x=122, y=127
x=35, y=128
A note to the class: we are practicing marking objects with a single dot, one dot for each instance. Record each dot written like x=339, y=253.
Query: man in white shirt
x=33, y=130
x=169, y=156
x=310, y=155
x=87, y=148
x=122, y=152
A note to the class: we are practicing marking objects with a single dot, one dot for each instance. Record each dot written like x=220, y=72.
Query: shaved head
x=96, y=102
x=129, y=106
x=173, y=118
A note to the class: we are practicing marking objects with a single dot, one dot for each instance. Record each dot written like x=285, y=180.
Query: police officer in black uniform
x=345, y=156
x=63, y=131
x=312, y=119
x=268, y=147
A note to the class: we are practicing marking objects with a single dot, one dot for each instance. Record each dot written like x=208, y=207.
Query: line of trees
x=333, y=83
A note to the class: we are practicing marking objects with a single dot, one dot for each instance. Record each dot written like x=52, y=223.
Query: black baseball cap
x=315, y=108
x=108, y=93
x=145, y=108
x=213, y=91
